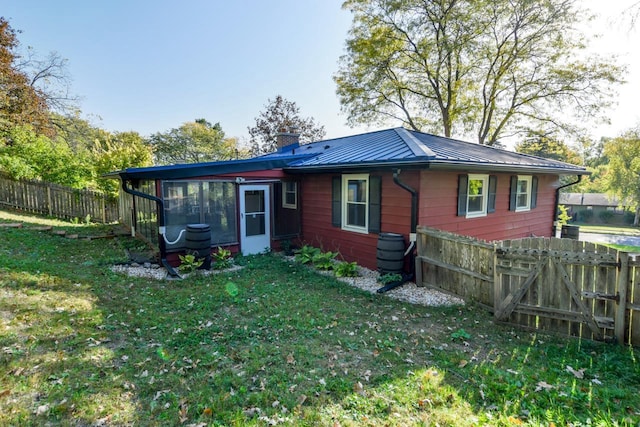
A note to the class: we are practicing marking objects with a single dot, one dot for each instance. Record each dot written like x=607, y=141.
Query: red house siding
x=437, y=207
x=358, y=247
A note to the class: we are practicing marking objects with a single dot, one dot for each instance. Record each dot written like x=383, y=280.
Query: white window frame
x=286, y=191
x=485, y=195
x=345, y=203
x=528, y=179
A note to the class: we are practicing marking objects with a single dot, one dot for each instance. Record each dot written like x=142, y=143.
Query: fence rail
x=559, y=285
x=57, y=201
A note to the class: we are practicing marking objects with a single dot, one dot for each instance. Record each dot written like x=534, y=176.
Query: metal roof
x=396, y=147
x=402, y=147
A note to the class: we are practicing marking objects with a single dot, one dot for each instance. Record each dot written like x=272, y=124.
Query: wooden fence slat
x=57, y=201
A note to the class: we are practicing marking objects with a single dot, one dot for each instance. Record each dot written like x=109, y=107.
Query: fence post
x=50, y=208
x=103, y=209
x=621, y=308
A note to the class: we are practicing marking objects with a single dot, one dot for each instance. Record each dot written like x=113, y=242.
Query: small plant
x=346, y=269
x=460, y=334
x=387, y=278
x=306, y=254
x=221, y=259
x=189, y=263
x=87, y=219
x=286, y=247
x=563, y=215
x=324, y=260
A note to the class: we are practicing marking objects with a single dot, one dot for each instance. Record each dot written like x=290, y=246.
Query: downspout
x=412, y=236
x=161, y=226
x=557, y=202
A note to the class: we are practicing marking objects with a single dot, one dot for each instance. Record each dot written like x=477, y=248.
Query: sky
x=149, y=66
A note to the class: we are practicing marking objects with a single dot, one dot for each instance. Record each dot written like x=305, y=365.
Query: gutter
x=412, y=236
x=557, y=202
x=160, y=208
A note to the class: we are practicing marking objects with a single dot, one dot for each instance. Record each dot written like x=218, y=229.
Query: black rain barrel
x=570, y=232
x=390, y=254
x=198, y=243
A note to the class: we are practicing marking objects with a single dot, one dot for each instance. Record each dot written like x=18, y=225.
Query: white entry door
x=255, y=230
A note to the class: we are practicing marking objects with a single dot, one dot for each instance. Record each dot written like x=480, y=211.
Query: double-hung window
x=523, y=193
x=477, y=195
x=289, y=195
x=355, y=212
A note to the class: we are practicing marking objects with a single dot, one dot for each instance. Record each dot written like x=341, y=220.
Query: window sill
x=476, y=215
x=356, y=229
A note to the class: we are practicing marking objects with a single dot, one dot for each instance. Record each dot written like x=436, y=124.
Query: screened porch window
x=200, y=202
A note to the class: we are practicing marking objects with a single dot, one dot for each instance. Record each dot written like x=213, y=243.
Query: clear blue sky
x=150, y=66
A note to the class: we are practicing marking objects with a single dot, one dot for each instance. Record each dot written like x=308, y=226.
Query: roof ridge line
x=418, y=148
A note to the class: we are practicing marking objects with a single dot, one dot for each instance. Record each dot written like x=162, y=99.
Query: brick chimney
x=288, y=139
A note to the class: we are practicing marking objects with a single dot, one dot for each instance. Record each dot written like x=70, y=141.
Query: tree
x=546, y=145
x=279, y=115
x=493, y=68
x=20, y=103
x=193, y=142
x=25, y=154
x=624, y=168
x=119, y=151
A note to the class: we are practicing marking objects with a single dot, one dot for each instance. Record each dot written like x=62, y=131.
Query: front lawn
x=274, y=343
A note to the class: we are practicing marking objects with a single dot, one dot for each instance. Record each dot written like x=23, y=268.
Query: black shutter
x=513, y=193
x=491, y=203
x=534, y=192
x=336, y=201
x=375, y=199
x=463, y=189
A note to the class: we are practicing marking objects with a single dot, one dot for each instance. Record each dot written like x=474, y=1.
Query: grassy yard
x=274, y=343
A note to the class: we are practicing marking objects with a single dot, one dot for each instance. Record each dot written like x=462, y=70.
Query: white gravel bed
x=155, y=271
x=409, y=292
x=367, y=280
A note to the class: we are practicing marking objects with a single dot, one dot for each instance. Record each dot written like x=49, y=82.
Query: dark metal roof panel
x=402, y=146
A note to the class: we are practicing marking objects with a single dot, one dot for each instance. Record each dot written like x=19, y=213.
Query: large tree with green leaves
x=193, y=142
x=492, y=68
x=623, y=174
x=281, y=115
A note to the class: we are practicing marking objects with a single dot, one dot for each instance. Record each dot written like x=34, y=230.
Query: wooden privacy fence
x=57, y=201
x=559, y=285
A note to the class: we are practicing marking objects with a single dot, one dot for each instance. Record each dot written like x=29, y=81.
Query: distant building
x=594, y=207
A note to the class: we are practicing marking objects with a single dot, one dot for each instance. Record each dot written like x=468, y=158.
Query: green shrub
x=189, y=263
x=563, y=215
x=605, y=216
x=324, y=260
x=346, y=269
x=387, y=278
x=584, y=215
x=305, y=254
x=629, y=217
x=221, y=259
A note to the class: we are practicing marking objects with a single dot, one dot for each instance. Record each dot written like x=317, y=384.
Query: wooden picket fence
x=559, y=285
x=57, y=201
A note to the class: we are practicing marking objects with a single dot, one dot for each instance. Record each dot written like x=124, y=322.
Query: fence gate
x=561, y=285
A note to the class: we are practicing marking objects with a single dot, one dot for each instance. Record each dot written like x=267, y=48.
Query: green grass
x=274, y=342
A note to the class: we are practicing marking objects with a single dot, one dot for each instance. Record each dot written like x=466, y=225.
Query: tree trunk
x=636, y=219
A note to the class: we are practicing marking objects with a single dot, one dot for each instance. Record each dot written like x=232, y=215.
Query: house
x=340, y=194
x=594, y=207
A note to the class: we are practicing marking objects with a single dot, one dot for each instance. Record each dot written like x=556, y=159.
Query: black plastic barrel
x=198, y=243
x=570, y=232
x=390, y=253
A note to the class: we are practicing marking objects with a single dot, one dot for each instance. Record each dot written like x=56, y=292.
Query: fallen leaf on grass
x=578, y=374
x=207, y=412
x=290, y=359
x=544, y=386
x=4, y=393
x=463, y=363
